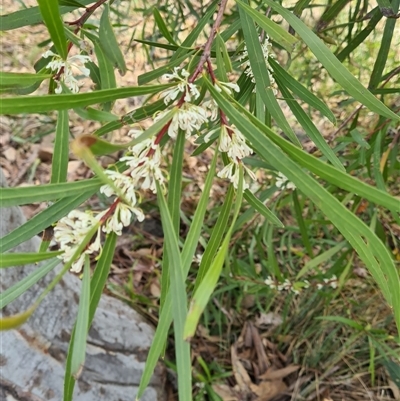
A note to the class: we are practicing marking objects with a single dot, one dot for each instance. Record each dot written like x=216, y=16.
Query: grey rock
x=32, y=357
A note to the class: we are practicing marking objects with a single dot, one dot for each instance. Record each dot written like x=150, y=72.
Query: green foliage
x=225, y=66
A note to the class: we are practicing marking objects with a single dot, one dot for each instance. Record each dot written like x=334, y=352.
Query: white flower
x=286, y=285
x=266, y=49
x=227, y=86
x=234, y=143
x=232, y=173
x=270, y=282
x=121, y=218
x=70, y=231
x=190, y=89
x=208, y=136
x=212, y=106
x=197, y=258
x=283, y=182
x=331, y=281
x=189, y=118
x=144, y=160
x=124, y=183
x=77, y=62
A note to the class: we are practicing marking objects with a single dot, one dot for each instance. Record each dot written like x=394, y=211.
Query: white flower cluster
x=266, y=49
x=232, y=142
x=296, y=288
x=190, y=117
x=282, y=182
x=144, y=161
x=77, y=62
x=190, y=89
x=70, y=231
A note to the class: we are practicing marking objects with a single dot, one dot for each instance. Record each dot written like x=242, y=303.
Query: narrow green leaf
x=30, y=16
x=43, y=220
x=370, y=249
x=59, y=165
x=82, y=323
x=355, y=134
x=318, y=260
x=344, y=320
x=221, y=69
x=310, y=129
x=324, y=170
x=19, y=259
x=194, y=34
x=70, y=3
x=158, y=19
x=275, y=31
x=159, y=45
x=19, y=288
x=380, y=182
x=386, y=8
x=179, y=301
x=304, y=230
x=109, y=43
x=188, y=252
x=90, y=113
x=164, y=69
x=26, y=195
x=216, y=237
x=375, y=16
x=51, y=16
x=97, y=285
x=330, y=13
x=261, y=208
x=207, y=285
x=223, y=51
x=298, y=89
x=106, y=70
x=173, y=202
x=20, y=80
x=261, y=76
x=40, y=104
x=132, y=117
x=100, y=274
x=386, y=42
x=333, y=65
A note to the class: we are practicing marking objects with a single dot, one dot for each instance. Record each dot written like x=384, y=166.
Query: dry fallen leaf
x=267, y=390
x=10, y=154
x=242, y=378
x=225, y=392
x=272, y=374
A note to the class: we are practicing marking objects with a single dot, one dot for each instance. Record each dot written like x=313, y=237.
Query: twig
x=207, y=47
x=89, y=11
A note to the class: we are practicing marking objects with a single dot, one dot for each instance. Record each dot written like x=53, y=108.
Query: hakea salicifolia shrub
x=144, y=159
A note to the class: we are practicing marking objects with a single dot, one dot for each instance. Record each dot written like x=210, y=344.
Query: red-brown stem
x=207, y=47
x=205, y=58
x=110, y=211
x=211, y=71
x=79, y=22
x=89, y=11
